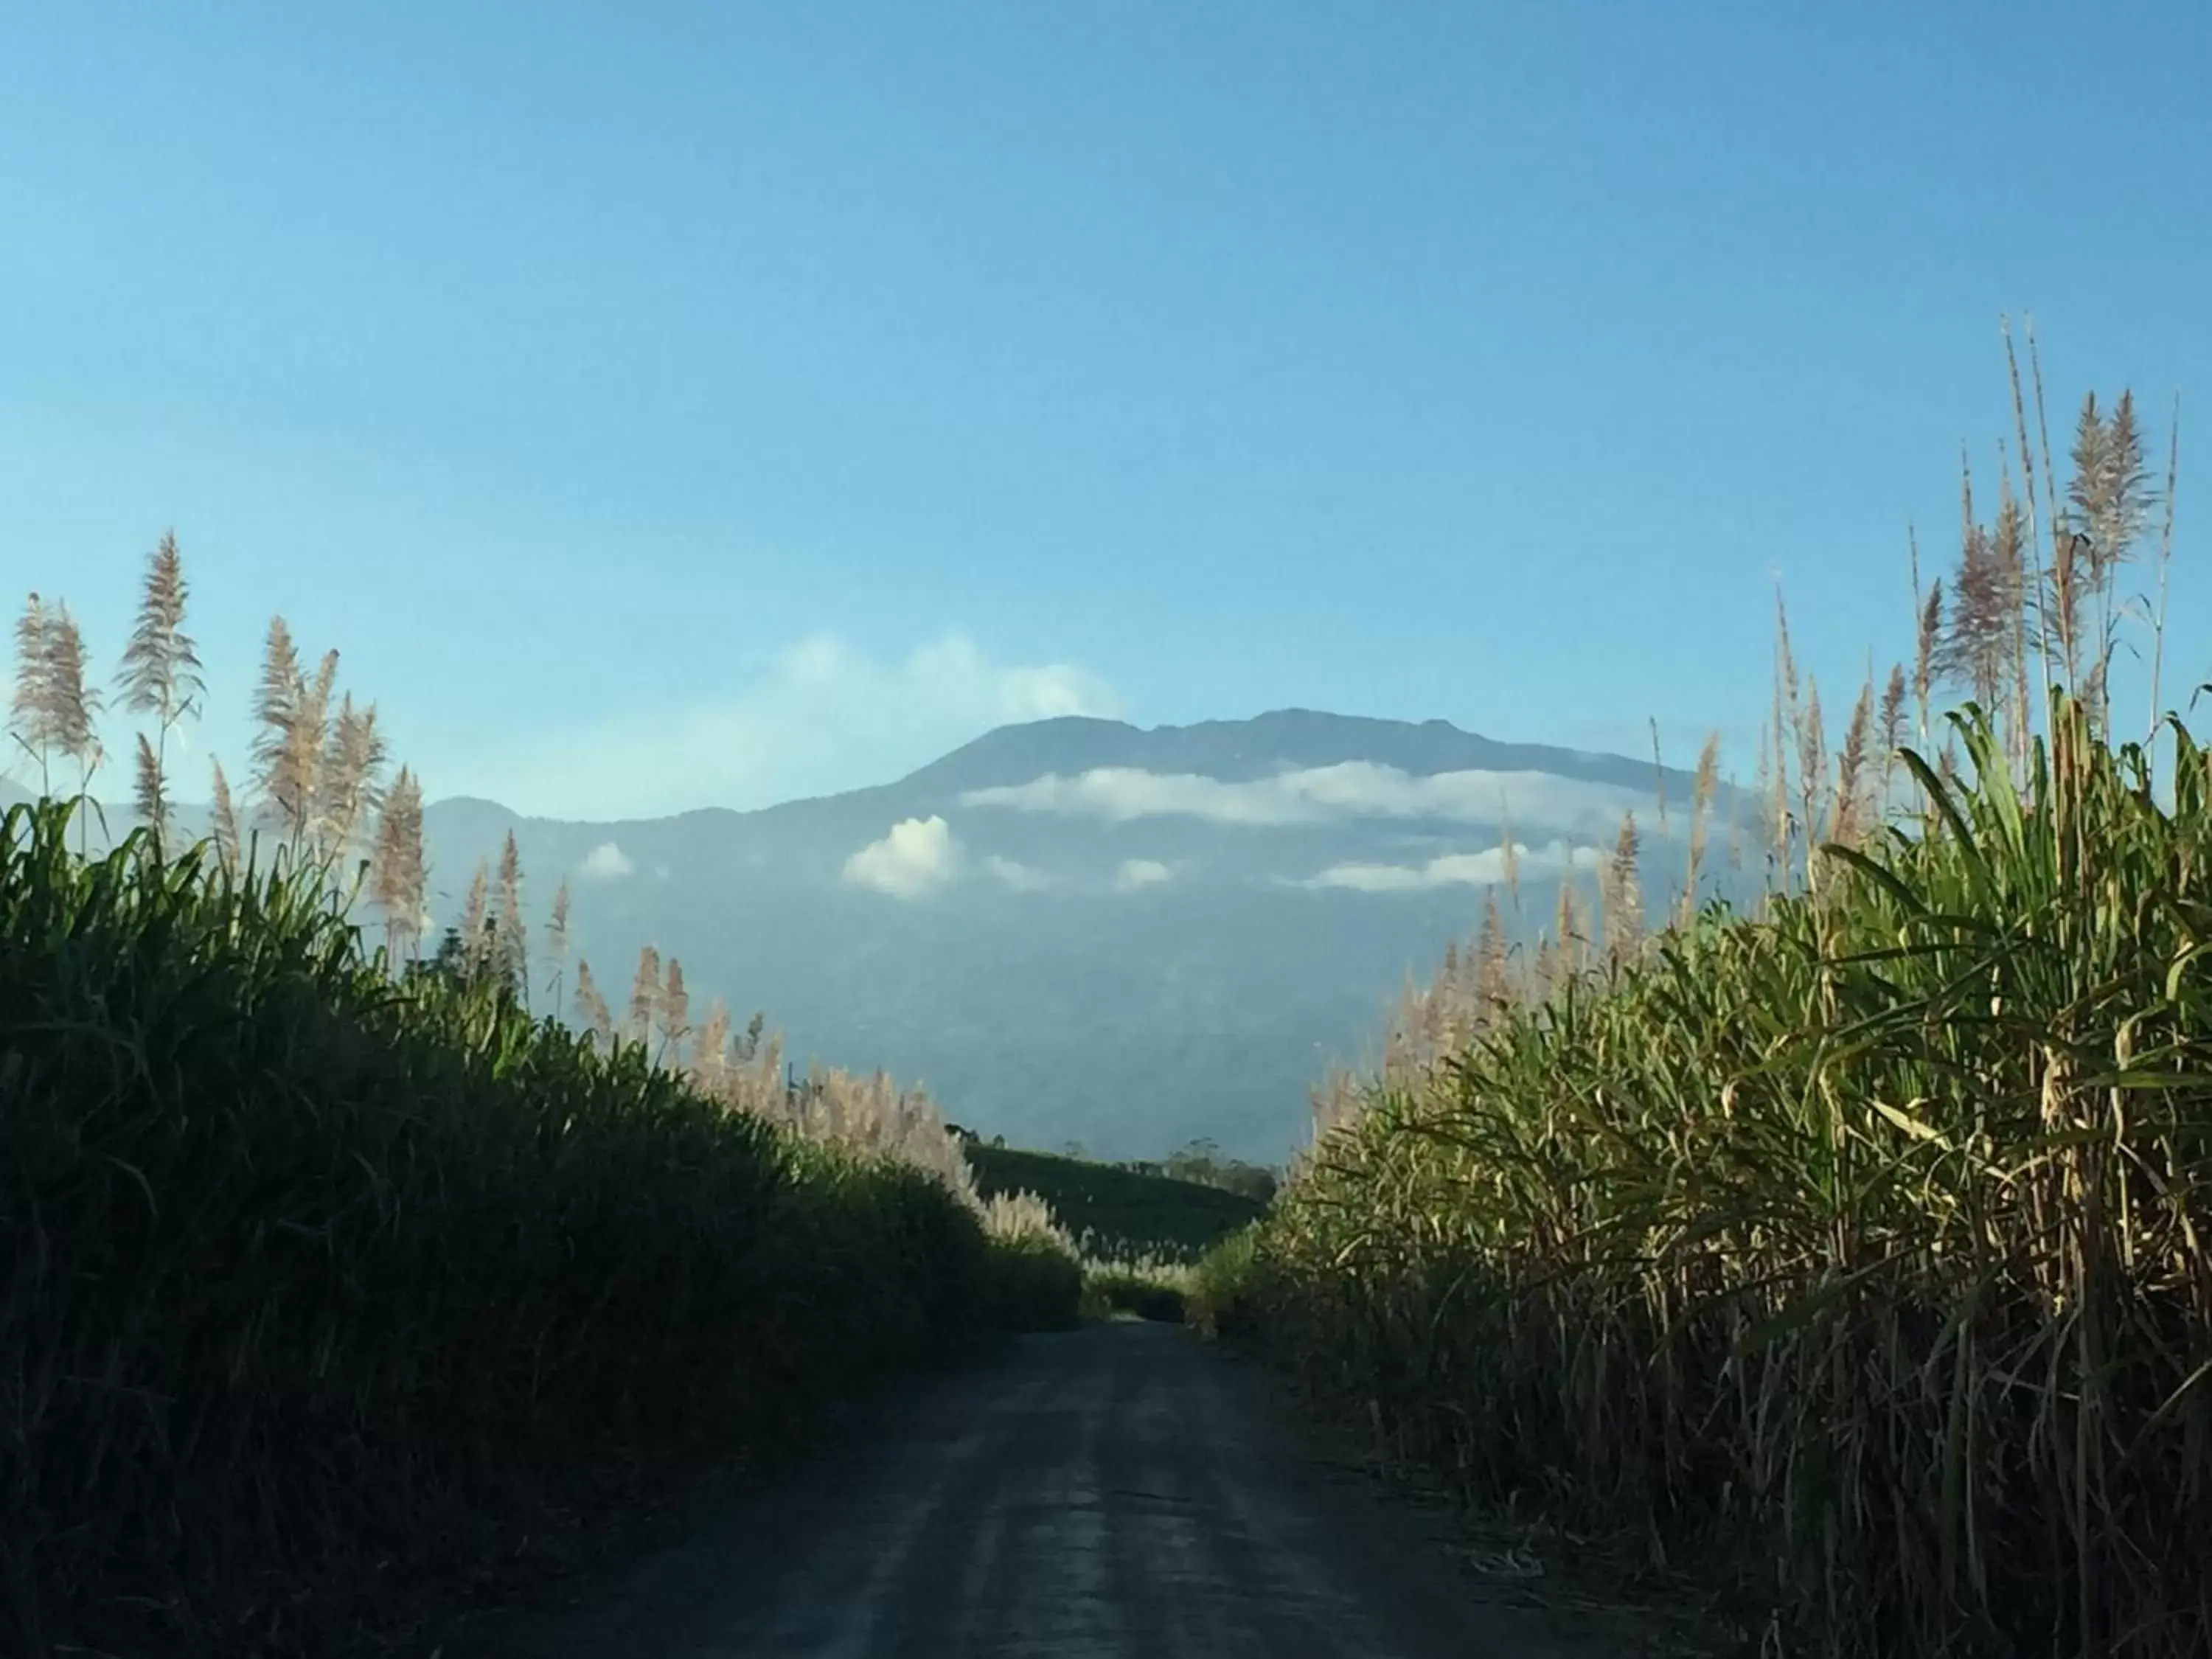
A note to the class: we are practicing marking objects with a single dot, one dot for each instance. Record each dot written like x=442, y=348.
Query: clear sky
x=664, y=405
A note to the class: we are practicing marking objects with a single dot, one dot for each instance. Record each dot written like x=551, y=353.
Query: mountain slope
x=1121, y=937
x=1081, y=931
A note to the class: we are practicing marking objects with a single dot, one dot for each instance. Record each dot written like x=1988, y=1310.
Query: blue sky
x=667, y=405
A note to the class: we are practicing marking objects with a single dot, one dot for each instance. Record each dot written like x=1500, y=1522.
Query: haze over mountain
x=1077, y=930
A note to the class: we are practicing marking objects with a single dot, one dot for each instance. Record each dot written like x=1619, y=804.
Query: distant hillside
x=1078, y=930
x=1287, y=740
x=1117, y=1212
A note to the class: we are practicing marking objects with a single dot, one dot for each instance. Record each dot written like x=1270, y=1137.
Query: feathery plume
x=592, y=1010
x=1847, y=811
x=160, y=673
x=1623, y=896
x=2034, y=581
x=1926, y=655
x=1764, y=797
x=2165, y=553
x=147, y=794
x=1785, y=724
x=1890, y=726
x=275, y=698
x=710, y=1053
x=1510, y=854
x=74, y=705
x=675, y=1010
x=514, y=941
x=1572, y=947
x=1703, y=785
x=475, y=920
x=226, y=819
x=31, y=718
x=352, y=781
x=556, y=938
x=398, y=878
x=1491, y=987
x=1812, y=766
x=303, y=795
x=644, y=995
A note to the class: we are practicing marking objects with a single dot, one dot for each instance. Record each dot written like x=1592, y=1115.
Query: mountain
x=1077, y=930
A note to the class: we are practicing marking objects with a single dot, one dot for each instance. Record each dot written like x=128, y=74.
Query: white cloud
x=605, y=862
x=817, y=718
x=1140, y=872
x=1020, y=877
x=1353, y=789
x=1482, y=869
x=918, y=856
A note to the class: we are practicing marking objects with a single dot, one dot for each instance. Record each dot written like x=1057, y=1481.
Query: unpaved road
x=1119, y=1490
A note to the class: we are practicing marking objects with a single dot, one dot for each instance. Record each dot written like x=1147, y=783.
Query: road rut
x=1119, y=1490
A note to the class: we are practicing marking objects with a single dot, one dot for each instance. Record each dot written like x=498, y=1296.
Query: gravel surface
x=1119, y=1490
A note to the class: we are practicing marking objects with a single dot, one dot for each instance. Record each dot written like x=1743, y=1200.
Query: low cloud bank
x=1354, y=789
x=1483, y=869
x=818, y=717
x=605, y=862
x=1136, y=873
x=917, y=857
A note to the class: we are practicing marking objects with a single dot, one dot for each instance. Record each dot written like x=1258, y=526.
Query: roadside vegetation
x=1139, y=1233
x=330, y=1276
x=1845, y=1260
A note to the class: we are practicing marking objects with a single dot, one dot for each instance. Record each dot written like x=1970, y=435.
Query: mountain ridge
x=1131, y=975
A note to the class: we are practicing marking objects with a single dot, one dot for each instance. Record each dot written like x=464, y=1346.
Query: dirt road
x=1119, y=1490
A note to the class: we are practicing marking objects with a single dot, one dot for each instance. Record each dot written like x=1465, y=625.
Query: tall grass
x=308, y=1279
x=1854, y=1253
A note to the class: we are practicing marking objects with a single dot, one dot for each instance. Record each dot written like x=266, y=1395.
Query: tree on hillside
x=450, y=961
x=1200, y=1162
x=746, y=1048
x=455, y=963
